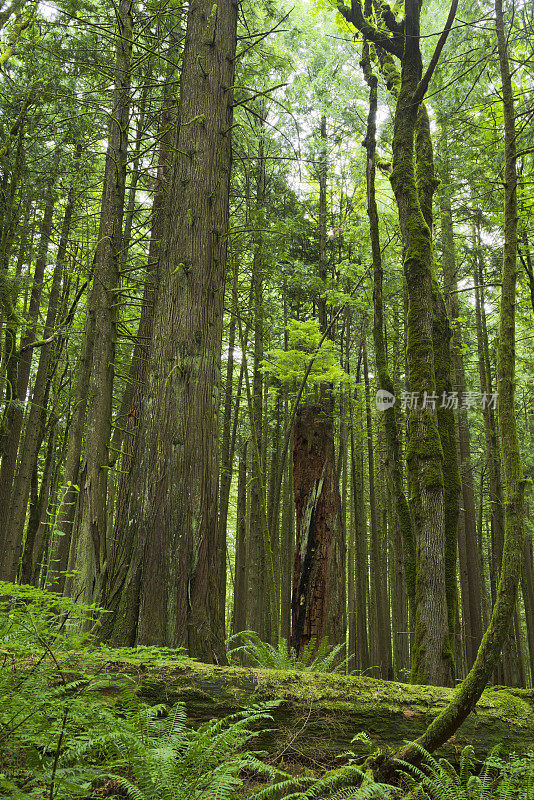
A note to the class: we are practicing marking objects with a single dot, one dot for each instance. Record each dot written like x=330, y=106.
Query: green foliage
x=495, y=778
x=435, y=779
x=346, y=783
x=267, y=656
x=289, y=366
x=62, y=734
x=42, y=705
x=153, y=755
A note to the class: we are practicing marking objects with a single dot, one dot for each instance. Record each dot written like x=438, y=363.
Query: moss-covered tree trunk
x=467, y=695
x=431, y=659
x=319, y=713
x=400, y=512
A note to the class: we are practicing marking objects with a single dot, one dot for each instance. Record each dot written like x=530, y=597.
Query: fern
x=267, y=656
x=435, y=779
x=496, y=779
x=172, y=762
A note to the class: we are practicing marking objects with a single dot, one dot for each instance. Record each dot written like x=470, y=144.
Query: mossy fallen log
x=319, y=713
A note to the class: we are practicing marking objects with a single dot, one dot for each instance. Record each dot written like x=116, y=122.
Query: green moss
x=430, y=446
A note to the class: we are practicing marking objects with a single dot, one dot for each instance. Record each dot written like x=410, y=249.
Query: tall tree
x=170, y=594
x=89, y=544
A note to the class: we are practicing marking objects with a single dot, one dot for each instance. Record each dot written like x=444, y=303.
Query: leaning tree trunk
x=170, y=593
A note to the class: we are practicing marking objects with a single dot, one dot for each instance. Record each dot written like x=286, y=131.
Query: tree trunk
x=18, y=372
x=468, y=550
x=360, y=536
x=128, y=416
x=240, y=585
x=318, y=594
x=379, y=629
x=171, y=590
x=468, y=694
x=49, y=355
x=431, y=657
x=257, y=608
x=318, y=517
x=400, y=509
x=90, y=540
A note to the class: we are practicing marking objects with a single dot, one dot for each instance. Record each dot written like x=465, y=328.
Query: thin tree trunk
x=404, y=534
x=90, y=533
x=227, y=457
x=527, y=586
x=18, y=372
x=240, y=586
x=49, y=355
x=257, y=608
x=469, y=572
x=360, y=534
x=378, y=631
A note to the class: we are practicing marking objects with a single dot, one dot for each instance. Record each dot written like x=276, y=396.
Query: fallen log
x=320, y=713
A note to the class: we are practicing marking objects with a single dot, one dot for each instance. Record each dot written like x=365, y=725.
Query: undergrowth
x=68, y=732
x=267, y=656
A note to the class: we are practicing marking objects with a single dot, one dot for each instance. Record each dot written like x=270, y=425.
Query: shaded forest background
x=180, y=376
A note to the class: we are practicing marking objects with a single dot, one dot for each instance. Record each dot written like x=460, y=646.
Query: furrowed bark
x=171, y=517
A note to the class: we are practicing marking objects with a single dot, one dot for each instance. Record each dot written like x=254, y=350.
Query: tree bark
x=467, y=695
x=170, y=592
x=318, y=515
x=90, y=540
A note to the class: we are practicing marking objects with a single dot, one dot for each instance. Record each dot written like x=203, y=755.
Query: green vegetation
x=263, y=654
x=266, y=399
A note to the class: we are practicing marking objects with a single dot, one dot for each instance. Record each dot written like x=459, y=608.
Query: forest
x=266, y=399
